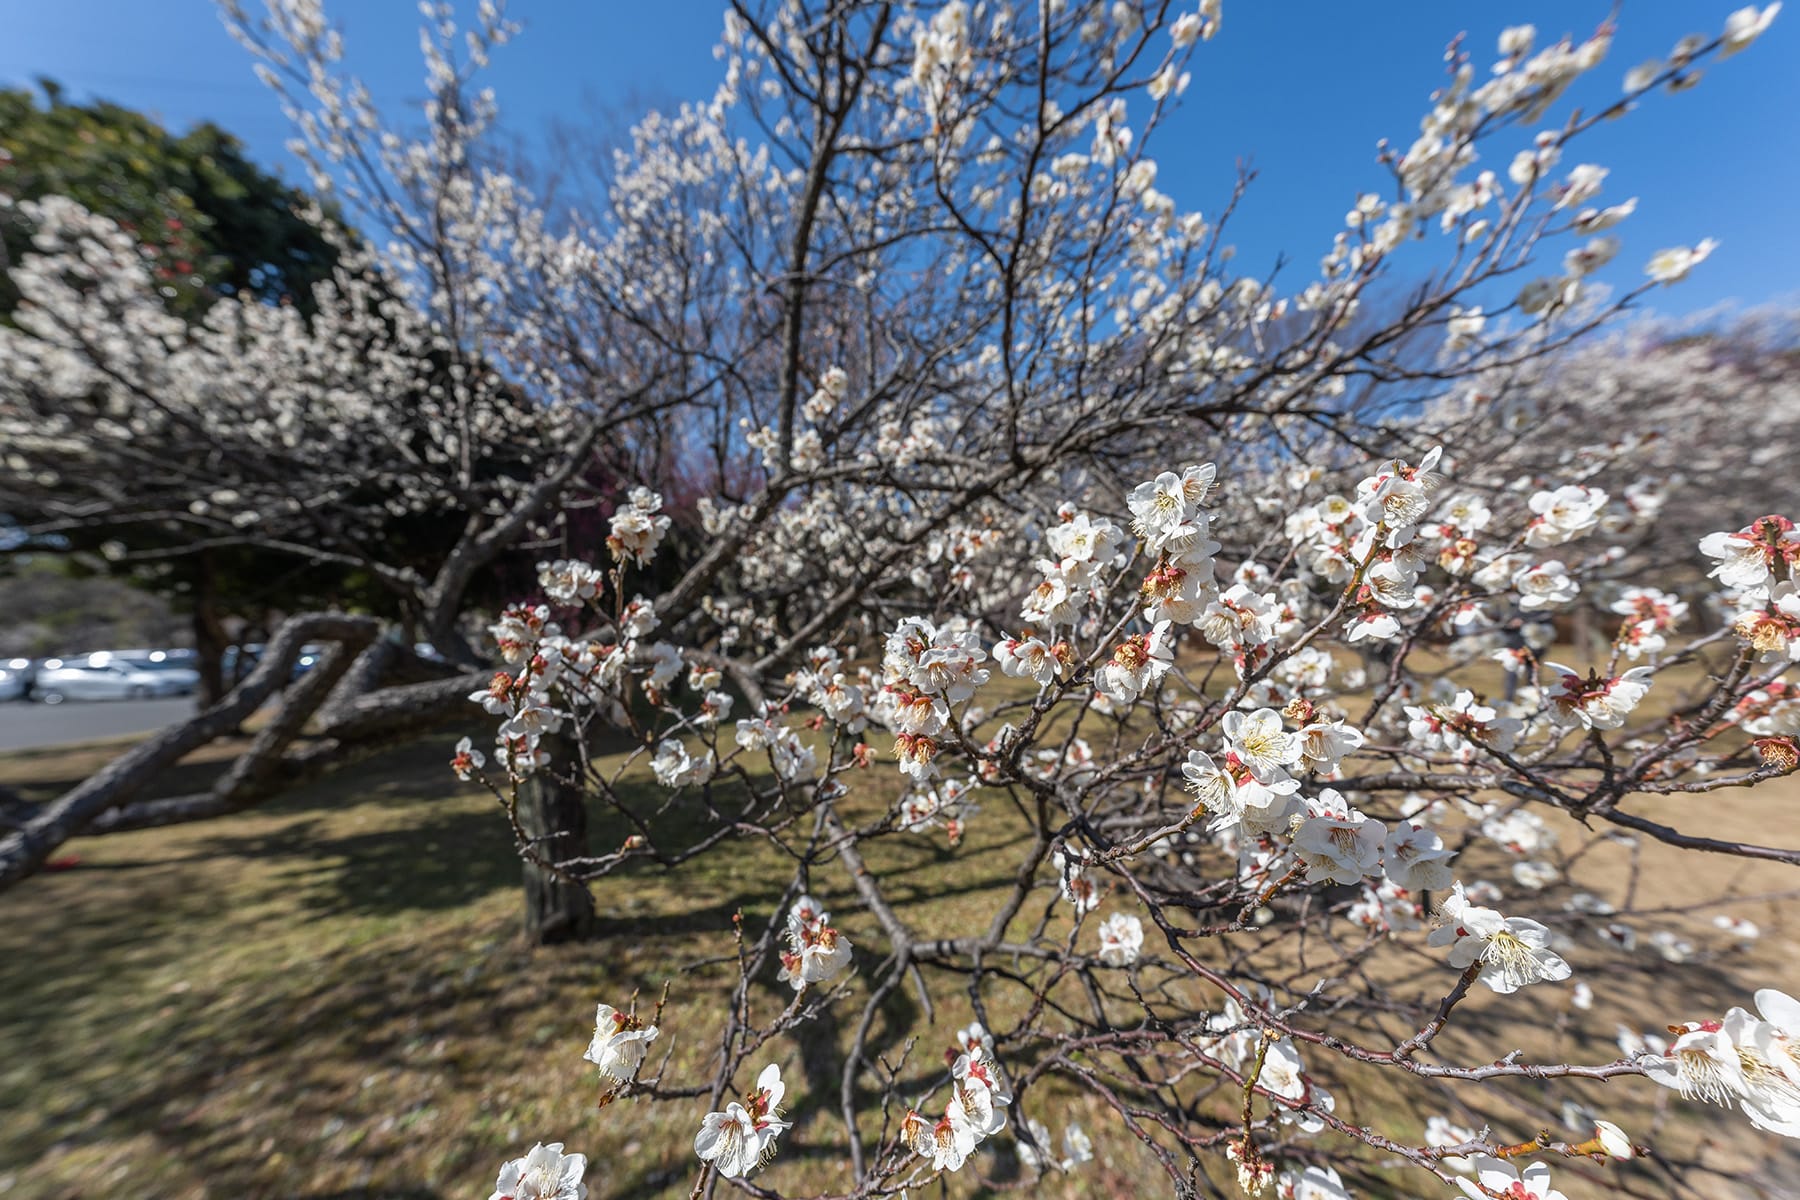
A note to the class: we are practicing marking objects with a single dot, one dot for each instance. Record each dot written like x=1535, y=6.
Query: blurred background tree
x=215, y=225
x=213, y=222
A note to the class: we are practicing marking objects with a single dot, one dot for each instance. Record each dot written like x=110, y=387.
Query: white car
x=170, y=666
x=108, y=681
x=12, y=683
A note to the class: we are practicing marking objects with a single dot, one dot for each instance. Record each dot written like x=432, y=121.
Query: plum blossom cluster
x=816, y=952
x=891, y=375
x=926, y=670
x=620, y=1042
x=1748, y=1060
x=1759, y=564
x=975, y=1112
x=1283, y=784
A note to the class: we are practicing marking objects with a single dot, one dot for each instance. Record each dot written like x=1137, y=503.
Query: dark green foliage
x=213, y=222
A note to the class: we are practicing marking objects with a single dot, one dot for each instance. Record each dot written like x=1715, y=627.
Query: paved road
x=25, y=726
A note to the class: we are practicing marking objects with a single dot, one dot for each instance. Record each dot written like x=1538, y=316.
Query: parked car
x=106, y=681
x=13, y=683
x=428, y=652
x=22, y=671
x=155, y=659
x=174, y=666
x=239, y=661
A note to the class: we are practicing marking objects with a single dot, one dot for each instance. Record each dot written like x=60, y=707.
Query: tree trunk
x=553, y=816
x=210, y=638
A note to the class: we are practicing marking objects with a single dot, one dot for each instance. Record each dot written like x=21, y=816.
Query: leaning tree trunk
x=115, y=785
x=553, y=816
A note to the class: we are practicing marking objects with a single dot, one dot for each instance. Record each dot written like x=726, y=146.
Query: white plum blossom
x=1416, y=858
x=1702, y=1064
x=1545, y=585
x=816, y=952
x=1167, y=508
x=974, y=1036
x=1137, y=663
x=619, y=1044
x=1740, y=928
x=1750, y=1060
x=1672, y=265
x=742, y=1136
x=1323, y=745
x=980, y=1097
x=1077, y=888
x=1745, y=25
x=1078, y=1148
x=1464, y=326
x=1284, y=1074
x=1535, y=875
x=1498, y=1177
x=714, y=707
x=1460, y=726
x=1093, y=543
x=1029, y=657
x=1386, y=907
x=1614, y=1141
x=947, y=1142
x=1511, y=951
x=1772, y=631
x=1337, y=843
x=638, y=527
x=1374, y=626
x=1748, y=558
x=1519, y=831
x=789, y=754
x=1564, y=515
x=1399, y=496
x=1232, y=794
x=467, y=760
x=1441, y=1132
x=1260, y=743
x=569, y=581
x=545, y=1173
x=1595, y=702
x=1313, y=1182
x=675, y=767
x=1239, y=618
x=1121, y=938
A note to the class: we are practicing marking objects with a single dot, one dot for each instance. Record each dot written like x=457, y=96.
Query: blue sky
x=1302, y=89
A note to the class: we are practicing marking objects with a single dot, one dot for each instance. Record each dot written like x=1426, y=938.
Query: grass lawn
x=328, y=997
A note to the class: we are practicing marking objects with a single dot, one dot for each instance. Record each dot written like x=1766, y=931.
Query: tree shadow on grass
x=182, y=779
x=433, y=855
x=440, y=857
x=441, y=1017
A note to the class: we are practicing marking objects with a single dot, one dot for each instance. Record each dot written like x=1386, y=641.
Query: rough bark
x=408, y=708
x=553, y=817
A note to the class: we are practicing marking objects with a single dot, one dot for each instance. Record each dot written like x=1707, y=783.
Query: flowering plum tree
x=1191, y=579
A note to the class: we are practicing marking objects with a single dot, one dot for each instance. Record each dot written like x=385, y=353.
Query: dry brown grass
x=327, y=997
